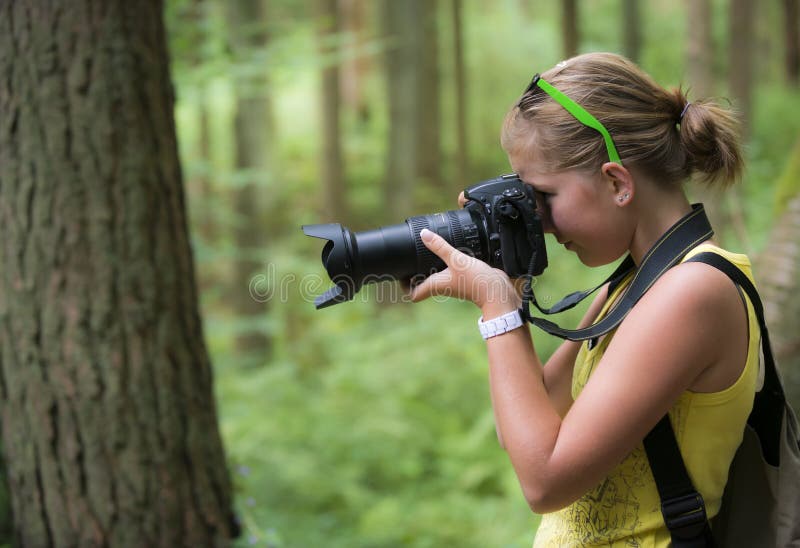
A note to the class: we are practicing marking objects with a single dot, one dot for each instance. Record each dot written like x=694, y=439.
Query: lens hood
x=337, y=258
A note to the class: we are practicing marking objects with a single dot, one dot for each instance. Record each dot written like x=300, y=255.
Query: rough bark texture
x=108, y=418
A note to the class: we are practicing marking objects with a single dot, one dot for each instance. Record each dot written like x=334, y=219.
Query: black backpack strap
x=682, y=506
x=770, y=400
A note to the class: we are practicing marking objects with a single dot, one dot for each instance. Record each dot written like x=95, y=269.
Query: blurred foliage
x=371, y=424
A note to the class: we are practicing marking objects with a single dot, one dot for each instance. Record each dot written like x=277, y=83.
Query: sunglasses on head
x=573, y=108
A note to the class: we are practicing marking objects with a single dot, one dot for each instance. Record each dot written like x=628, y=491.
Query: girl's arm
x=678, y=335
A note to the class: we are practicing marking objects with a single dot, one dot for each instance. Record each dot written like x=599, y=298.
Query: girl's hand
x=466, y=278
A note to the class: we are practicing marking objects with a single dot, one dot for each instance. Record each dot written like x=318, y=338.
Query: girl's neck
x=656, y=214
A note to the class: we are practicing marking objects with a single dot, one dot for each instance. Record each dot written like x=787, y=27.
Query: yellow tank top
x=624, y=509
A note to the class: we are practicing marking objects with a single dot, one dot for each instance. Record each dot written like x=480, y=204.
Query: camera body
x=508, y=211
x=499, y=225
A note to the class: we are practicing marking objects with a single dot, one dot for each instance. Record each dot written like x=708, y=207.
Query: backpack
x=761, y=502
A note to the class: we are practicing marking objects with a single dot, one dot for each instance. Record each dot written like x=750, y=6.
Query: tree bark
x=108, y=417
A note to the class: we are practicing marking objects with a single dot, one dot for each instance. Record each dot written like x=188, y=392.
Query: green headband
x=577, y=111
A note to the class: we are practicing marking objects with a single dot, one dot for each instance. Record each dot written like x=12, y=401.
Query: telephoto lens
x=394, y=252
x=498, y=225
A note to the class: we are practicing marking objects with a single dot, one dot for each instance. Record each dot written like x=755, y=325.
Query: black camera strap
x=684, y=235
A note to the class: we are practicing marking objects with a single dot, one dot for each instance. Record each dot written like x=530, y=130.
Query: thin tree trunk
x=791, y=14
x=700, y=69
x=570, y=29
x=740, y=57
x=332, y=166
x=108, y=417
x=740, y=49
x=428, y=110
x=462, y=146
x=357, y=64
x=631, y=27
x=253, y=124
x=398, y=19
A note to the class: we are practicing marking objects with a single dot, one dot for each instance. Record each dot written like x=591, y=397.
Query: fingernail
x=425, y=234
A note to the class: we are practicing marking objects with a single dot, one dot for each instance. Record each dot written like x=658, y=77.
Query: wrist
x=501, y=298
x=502, y=324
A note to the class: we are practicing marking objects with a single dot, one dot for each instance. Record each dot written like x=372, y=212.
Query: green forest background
x=369, y=423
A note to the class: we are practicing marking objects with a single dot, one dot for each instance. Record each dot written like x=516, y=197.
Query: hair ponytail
x=710, y=134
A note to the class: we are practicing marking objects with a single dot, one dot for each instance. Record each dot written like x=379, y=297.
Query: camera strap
x=687, y=233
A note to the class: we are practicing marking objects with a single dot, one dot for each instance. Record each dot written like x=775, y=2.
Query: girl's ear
x=620, y=182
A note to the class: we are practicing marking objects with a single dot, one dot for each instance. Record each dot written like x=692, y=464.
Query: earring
x=624, y=197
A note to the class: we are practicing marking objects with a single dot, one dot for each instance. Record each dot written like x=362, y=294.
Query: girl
x=607, y=151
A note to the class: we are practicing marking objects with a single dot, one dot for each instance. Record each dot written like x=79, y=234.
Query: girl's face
x=580, y=210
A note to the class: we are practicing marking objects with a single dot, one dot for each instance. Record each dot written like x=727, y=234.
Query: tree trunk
x=108, y=418
x=700, y=69
x=779, y=283
x=462, y=147
x=740, y=50
x=331, y=167
x=357, y=63
x=570, y=29
x=252, y=135
x=428, y=111
x=631, y=28
x=700, y=48
x=791, y=14
x=398, y=19
x=740, y=57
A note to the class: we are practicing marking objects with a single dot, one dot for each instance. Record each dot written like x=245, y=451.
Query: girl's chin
x=592, y=261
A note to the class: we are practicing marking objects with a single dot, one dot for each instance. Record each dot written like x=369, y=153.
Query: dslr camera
x=499, y=224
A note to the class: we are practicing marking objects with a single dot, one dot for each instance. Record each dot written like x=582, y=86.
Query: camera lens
x=393, y=252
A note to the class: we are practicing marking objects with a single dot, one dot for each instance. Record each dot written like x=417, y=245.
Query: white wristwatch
x=501, y=324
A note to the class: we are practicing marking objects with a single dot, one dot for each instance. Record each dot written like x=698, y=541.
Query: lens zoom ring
x=456, y=230
x=427, y=261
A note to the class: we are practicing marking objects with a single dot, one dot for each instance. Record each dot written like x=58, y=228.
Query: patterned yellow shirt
x=624, y=509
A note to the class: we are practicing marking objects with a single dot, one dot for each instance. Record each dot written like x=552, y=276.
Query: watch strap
x=501, y=324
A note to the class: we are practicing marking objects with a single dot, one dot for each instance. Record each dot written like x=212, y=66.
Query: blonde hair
x=653, y=129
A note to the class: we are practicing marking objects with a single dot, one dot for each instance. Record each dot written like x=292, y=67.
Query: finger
x=433, y=285
x=462, y=199
x=438, y=245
